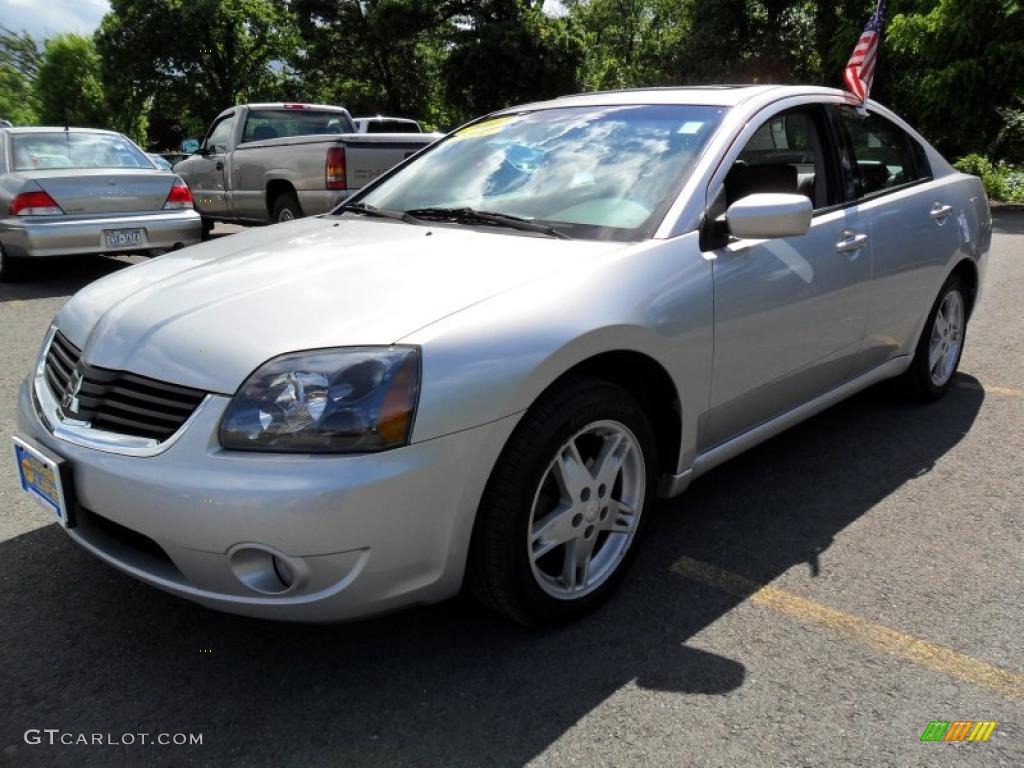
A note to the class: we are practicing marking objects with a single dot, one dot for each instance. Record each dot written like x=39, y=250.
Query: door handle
x=220, y=165
x=852, y=241
x=940, y=211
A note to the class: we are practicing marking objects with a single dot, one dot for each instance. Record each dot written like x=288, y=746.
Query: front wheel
x=565, y=505
x=941, y=344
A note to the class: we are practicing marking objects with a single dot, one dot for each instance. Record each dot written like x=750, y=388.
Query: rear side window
x=884, y=156
x=266, y=124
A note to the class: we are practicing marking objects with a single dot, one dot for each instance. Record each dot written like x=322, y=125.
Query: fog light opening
x=263, y=571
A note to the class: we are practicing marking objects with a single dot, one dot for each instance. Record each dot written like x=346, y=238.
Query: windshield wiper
x=471, y=215
x=364, y=209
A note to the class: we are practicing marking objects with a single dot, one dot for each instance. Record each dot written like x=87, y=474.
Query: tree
x=505, y=52
x=20, y=58
x=68, y=84
x=195, y=57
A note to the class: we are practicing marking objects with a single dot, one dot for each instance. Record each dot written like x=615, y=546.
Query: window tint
x=882, y=153
x=262, y=125
x=391, y=126
x=784, y=155
x=218, y=138
x=75, y=150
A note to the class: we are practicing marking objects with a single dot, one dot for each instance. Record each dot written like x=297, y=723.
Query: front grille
x=118, y=401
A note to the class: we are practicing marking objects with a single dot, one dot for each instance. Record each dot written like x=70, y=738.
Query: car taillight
x=180, y=196
x=34, y=204
x=334, y=173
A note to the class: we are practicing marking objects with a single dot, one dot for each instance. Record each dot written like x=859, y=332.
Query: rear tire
x=940, y=347
x=208, y=225
x=554, y=533
x=286, y=208
x=11, y=269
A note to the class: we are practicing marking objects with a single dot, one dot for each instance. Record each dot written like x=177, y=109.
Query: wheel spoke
x=571, y=473
x=622, y=518
x=609, y=460
x=934, y=355
x=551, y=531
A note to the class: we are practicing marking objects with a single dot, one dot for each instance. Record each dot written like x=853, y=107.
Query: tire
x=11, y=270
x=926, y=380
x=286, y=208
x=526, y=576
x=207, y=227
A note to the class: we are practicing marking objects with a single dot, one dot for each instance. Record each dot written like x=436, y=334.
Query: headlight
x=349, y=400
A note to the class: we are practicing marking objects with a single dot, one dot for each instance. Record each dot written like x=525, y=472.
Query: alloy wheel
x=946, y=338
x=586, y=510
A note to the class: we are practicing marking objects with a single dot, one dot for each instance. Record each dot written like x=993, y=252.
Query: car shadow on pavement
x=59, y=277
x=89, y=650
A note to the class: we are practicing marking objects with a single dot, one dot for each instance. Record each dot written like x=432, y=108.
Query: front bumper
x=363, y=534
x=73, y=235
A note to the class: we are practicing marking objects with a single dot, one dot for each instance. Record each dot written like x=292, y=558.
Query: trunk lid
x=99, y=191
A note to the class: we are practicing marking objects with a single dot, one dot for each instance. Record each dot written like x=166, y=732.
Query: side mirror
x=768, y=215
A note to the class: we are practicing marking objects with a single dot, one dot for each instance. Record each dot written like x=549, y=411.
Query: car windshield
x=608, y=172
x=65, y=149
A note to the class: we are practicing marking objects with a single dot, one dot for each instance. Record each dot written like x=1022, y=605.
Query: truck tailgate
x=367, y=156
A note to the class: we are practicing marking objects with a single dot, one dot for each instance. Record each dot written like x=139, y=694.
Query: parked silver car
x=84, y=191
x=487, y=366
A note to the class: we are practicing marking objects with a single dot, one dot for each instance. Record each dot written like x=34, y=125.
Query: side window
x=784, y=155
x=217, y=140
x=884, y=156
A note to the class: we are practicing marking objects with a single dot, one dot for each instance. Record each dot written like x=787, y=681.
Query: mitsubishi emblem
x=69, y=402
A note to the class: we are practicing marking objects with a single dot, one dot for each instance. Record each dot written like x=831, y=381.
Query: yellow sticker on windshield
x=486, y=128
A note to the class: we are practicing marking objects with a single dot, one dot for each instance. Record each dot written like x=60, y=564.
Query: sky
x=42, y=18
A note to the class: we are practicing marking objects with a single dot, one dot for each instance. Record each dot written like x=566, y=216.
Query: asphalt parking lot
x=815, y=602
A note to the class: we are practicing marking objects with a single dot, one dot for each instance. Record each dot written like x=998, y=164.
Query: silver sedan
x=486, y=367
x=83, y=191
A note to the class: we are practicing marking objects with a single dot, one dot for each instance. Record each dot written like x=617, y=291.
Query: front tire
x=941, y=344
x=565, y=505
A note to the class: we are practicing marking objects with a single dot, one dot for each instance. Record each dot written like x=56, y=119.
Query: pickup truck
x=264, y=163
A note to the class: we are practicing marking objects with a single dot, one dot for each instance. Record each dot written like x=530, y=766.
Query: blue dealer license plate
x=45, y=477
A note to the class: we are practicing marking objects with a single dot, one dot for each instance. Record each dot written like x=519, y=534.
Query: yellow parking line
x=1006, y=391
x=872, y=635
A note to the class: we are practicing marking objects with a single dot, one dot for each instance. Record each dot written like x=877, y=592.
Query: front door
x=789, y=312
x=208, y=172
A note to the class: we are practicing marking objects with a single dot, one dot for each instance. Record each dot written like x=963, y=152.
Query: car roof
x=706, y=95
x=58, y=129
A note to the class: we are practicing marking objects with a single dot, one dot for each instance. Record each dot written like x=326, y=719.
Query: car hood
x=207, y=316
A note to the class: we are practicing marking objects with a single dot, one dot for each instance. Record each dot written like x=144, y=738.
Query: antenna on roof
x=67, y=119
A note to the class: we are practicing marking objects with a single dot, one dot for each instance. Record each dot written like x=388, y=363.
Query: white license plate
x=122, y=238
x=45, y=477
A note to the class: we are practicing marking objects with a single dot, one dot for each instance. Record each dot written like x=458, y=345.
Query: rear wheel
x=941, y=344
x=565, y=505
x=11, y=269
x=207, y=227
x=286, y=208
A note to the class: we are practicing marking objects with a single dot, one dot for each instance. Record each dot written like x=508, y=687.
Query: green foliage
x=19, y=62
x=195, y=57
x=68, y=84
x=1001, y=181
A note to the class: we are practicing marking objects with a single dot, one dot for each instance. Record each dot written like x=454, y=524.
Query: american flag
x=860, y=69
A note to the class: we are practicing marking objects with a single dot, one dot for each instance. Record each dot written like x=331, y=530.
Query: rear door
x=913, y=226
x=208, y=174
x=789, y=312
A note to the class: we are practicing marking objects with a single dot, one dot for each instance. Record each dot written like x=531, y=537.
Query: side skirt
x=672, y=485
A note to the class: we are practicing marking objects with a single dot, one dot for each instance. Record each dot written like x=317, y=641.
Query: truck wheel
x=11, y=269
x=286, y=208
x=207, y=227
